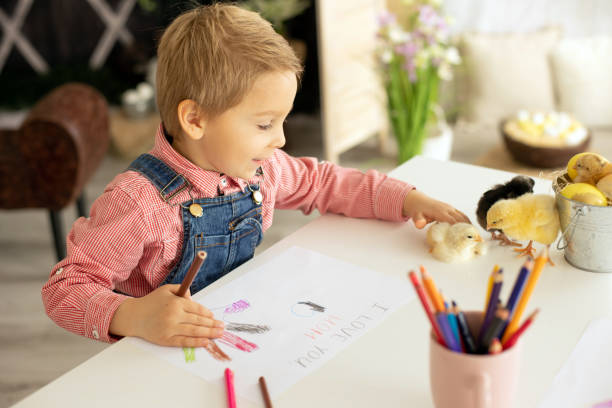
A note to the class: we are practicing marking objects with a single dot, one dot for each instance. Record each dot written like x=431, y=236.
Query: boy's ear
x=191, y=119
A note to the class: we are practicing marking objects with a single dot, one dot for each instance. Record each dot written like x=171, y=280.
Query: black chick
x=514, y=188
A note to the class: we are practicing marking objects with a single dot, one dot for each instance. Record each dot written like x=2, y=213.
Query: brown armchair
x=49, y=159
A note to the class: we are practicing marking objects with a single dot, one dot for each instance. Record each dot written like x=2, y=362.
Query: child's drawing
x=237, y=307
x=247, y=327
x=237, y=342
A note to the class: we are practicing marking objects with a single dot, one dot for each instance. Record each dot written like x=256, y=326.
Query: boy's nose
x=280, y=140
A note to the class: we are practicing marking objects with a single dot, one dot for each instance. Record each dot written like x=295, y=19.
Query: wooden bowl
x=542, y=157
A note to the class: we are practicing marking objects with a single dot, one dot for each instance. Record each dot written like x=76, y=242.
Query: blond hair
x=212, y=55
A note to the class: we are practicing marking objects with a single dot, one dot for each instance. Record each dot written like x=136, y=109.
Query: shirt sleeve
x=304, y=183
x=102, y=250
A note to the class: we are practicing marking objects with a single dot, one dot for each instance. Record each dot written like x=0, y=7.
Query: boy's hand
x=424, y=209
x=163, y=318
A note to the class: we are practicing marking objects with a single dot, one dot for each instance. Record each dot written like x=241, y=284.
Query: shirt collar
x=203, y=181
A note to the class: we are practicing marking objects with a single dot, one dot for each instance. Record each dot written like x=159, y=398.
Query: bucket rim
x=557, y=191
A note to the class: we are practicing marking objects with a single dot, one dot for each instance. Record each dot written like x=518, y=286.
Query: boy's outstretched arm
x=423, y=209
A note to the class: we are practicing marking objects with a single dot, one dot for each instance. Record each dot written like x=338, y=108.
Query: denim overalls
x=227, y=227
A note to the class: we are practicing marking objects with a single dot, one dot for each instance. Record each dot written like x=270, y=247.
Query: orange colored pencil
x=432, y=291
x=527, y=291
x=425, y=302
x=514, y=338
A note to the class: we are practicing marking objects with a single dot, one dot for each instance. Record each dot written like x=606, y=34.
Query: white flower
x=452, y=56
x=444, y=71
x=386, y=56
x=397, y=35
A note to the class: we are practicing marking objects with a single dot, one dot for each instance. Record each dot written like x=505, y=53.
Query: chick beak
x=478, y=239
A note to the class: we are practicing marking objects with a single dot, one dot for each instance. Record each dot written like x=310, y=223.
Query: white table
x=388, y=366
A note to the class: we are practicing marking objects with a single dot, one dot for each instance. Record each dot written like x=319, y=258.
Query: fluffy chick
x=514, y=188
x=455, y=243
x=530, y=216
x=591, y=168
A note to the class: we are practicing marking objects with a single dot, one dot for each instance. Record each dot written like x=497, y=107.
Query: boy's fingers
x=419, y=221
x=191, y=330
x=186, y=341
x=192, y=318
x=463, y=217
x=196, y=308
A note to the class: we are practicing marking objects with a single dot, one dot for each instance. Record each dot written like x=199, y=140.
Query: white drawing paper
x=306, y=306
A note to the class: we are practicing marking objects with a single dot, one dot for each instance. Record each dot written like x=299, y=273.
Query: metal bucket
x=586, y=231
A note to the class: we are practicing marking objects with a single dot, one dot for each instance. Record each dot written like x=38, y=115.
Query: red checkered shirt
x=132, y=238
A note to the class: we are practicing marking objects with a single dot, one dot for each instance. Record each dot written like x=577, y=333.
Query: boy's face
x=237, y=141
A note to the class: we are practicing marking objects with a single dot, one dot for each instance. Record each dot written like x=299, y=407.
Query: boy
x=225, y=84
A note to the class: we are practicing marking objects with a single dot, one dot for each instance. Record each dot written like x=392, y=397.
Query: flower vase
x=439, y=144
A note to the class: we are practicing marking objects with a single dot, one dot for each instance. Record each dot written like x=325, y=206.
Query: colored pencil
x=444, y=302
x=466, y=335
x=264, y=392
x=518, y=287
x=494, y=329
x=492, y=306
x=495, y=347
x=511, y=341
x=454, y=325
x=449, y=337
x=191, y=273
x=229, y=385
x=425, y=302
x=490, y=286
x=524, y=298
x=431, y=289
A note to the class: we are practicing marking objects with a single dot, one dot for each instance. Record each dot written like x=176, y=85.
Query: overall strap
x=167, y=181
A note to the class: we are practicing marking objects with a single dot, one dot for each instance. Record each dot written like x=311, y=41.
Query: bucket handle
x=580, y=211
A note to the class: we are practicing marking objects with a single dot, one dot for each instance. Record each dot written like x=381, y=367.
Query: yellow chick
x=455, y=243
x=530, y=216
x=590, y=168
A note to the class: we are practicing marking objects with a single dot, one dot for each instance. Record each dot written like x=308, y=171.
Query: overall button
x=196, y=210
x=95, y=334
x=224, y=182
x=257, y=197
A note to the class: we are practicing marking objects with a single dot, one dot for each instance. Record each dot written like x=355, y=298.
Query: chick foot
x=528, y=250
x=503, y=239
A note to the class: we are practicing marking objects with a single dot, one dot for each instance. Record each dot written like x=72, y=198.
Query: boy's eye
x=265, y=127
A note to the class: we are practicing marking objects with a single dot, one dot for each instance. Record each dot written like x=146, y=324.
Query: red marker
x=229, y=384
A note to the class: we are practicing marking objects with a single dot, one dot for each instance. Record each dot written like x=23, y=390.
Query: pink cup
x=461, y=380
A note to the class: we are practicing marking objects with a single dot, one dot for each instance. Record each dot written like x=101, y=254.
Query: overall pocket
x=246, y=235
x=217, y=249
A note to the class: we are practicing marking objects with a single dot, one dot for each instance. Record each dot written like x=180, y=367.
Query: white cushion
x=508, y=72
x=582, y=68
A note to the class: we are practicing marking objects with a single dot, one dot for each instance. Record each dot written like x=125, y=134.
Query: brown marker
x=264, y=392
x=191, y=273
